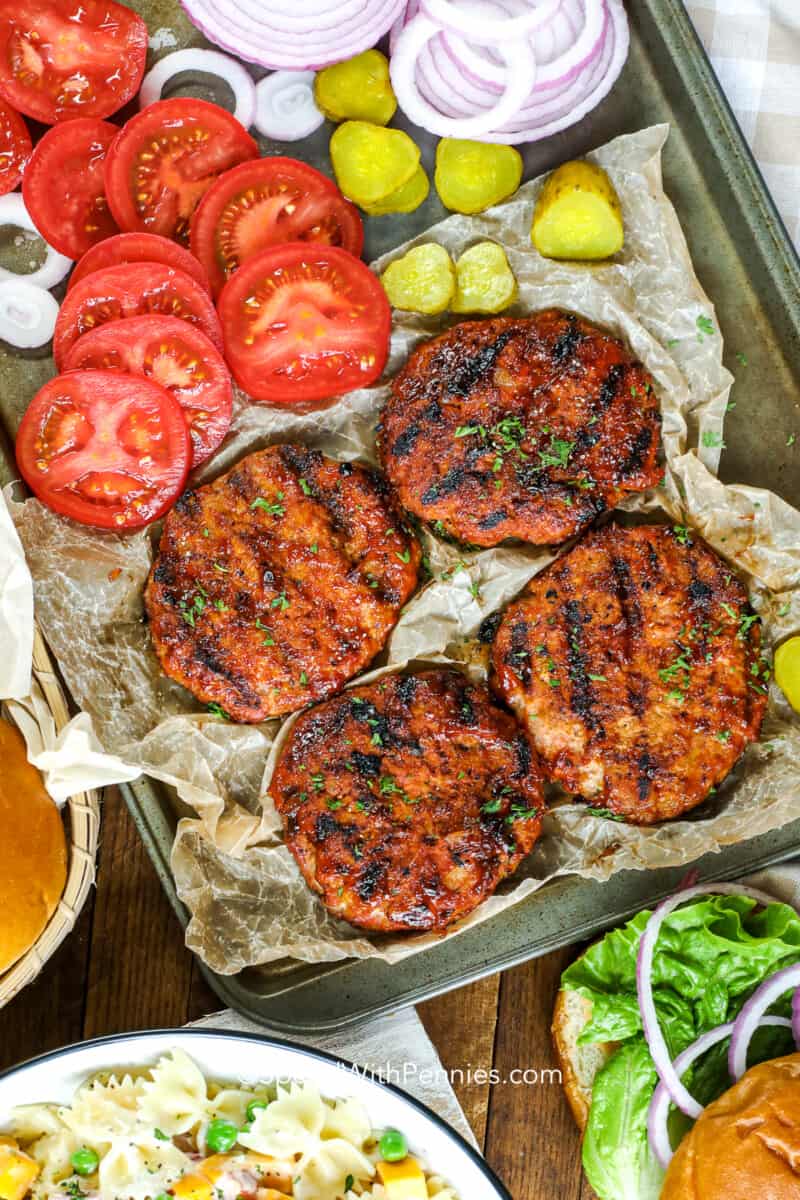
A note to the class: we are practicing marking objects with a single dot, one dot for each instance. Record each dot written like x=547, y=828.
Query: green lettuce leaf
x=711, y=956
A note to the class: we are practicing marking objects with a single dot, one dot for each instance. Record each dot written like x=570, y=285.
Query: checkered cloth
x=755, y=48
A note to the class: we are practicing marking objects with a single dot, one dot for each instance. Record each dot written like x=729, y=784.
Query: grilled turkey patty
x=519, y=428
x=408, y=800
x=278, y=582
x=634, y=661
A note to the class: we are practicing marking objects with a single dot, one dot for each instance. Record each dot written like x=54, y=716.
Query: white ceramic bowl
x=224, y=1056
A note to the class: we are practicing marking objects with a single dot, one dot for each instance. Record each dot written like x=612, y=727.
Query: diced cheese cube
x=404, y=1180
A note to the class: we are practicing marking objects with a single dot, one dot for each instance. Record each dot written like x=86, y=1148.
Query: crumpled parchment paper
x=248, y=902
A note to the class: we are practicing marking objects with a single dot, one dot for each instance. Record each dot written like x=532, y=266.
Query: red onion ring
x=479, y=29
x=520, y=78
x=658, y=1112
x=644, y=969
x=752, y=1012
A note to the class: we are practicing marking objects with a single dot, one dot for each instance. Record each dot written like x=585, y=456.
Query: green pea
x=221, y=1136
x=84, y=1161
x=393, y=1146
x=253, y=1107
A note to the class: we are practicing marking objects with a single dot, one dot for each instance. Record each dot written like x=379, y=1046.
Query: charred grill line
x=582, y=693
x=566, y=345
x=471, y=372
x=519, y=658
x=635, y=460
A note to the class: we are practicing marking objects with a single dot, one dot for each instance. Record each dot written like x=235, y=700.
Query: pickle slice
x=471, y=176
x=405, y=199
x=485, y=282
x=422, y=281
x=371, y=162
x=357, y=90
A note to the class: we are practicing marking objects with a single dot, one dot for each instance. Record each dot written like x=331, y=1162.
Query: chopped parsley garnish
x=784, y=610
x=348, y=1183
x=275, y=509
x=280, y=602
x=403, y=555
x=269, y=639
x=713, y=440
x=741, y=358
x=557, y=454
x=604, y=812
x=221, y=606
x=190, y=612
x=303, y=679
x=333, y=804
x=492, y=806
x=305, y=486
x=318, y=782
x=222, y=570
x=162, y=1137
x=682, y=534
x=218, y=711
x=314, y=548
x=723, y=735
x=467, y=430
x=598, y=678
x=790, y=441
x=705, y=327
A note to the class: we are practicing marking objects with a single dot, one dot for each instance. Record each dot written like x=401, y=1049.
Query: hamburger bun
x=34, y=850
x=746, y=1145
x=578, y=1064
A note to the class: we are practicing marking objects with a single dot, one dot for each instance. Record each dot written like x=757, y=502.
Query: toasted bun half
x=746, y=1145
x=579, y=1064
x=33, y=851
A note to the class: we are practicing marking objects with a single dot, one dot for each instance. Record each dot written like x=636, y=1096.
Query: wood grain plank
x=531, y=1138
x=49, y=1013
x=462, y=1025
x=202, y=1000
x=139, y=970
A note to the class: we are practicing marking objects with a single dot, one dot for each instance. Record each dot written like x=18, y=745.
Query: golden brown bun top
x=33, y=851
x=746, y=1144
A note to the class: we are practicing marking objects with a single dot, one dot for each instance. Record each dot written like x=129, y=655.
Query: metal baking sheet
x=746, y=262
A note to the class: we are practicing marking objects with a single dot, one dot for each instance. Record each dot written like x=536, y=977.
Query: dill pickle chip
x=371, y=162
x=578, y=214
x=422, y=281
x=485, y=282
x=405, y=199
x=787, y=670
x=471, y=176
x=357, y=90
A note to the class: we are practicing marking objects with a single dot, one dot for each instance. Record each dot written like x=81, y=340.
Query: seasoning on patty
x=634, y=661
x=407, y=801
x=278, y=582
x=520, y=428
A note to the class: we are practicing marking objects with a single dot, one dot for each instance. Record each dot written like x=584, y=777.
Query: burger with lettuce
x=676, y=1035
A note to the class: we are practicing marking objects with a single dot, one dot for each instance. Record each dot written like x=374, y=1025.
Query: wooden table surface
x=125, y=967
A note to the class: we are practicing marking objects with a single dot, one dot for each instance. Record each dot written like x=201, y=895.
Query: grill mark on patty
x=300, y=460
x=493, y=519
x=647, y=770
x=450, y=483
x=406, y=689
x=470, y=372
x=588, y=435
x=582, y=693
x=368, y=765
x=187, y=504
x=522, y=751
x=519, y=655
x=488, y=628
x=638, y=451
x=369, y=879
x=567, y=343
x=632, y=624
x=404, y=442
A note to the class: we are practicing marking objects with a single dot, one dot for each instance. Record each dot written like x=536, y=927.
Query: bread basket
x=82, y=817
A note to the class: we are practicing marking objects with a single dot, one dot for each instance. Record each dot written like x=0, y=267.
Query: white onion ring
x=27, y=313
x=205, y=62
x=492, y=29
x=285, y=107
x=55, y=266
x=520, y=79
x=658, y=1112
x=656, y=1043
x=752, y=1012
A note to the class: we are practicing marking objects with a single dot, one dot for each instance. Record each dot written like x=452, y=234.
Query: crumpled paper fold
x=248, y=902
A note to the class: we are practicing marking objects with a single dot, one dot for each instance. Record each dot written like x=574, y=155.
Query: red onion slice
x=285, y=107
x=27, y=313
x=520, y=80
x=55, y=266
x=658, y=1112
x=753, y=1011
x=203, y=62
x=644, y=970
x=485, y=27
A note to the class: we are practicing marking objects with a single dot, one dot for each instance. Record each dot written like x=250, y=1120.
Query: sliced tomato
x=138, y=247
x=264, y=203
x=15, y=147
x=104, y=448
x=304, y=322
x=131, y=290
x=165, y=160
x=70, y=58
x=176, y=355
x=63, y=185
